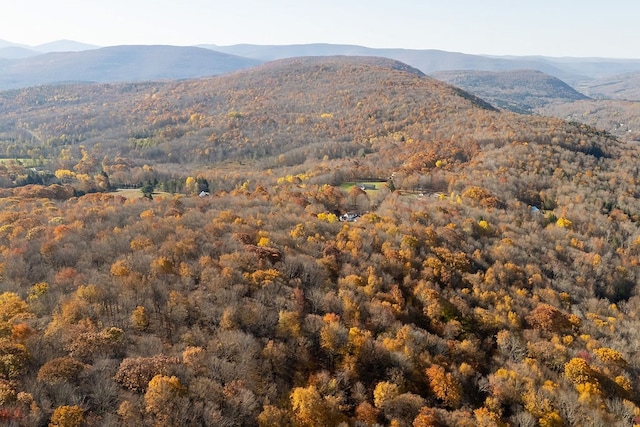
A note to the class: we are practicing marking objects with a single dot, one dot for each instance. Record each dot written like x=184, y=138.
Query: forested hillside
x=620, y=118
x=490, y=280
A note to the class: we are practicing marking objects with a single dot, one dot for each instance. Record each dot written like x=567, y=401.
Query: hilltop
x=485, y=273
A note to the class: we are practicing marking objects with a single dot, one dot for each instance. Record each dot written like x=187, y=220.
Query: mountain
x=520, y=91
x=118, y=63
x=9, y=50
x=239, y=110
x=570, y=70
x=574, y=71
x=64, y=46
x=428, y=61
x=5, y=43
x=487, y=273
x=16, y=52
x=595, y=68
x=620, y=87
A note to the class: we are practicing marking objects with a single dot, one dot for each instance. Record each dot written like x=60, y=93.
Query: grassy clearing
x=28, y=163
x=370, y=187
x=135, y=193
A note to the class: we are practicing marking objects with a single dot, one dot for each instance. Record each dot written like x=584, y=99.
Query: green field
x=370, y=187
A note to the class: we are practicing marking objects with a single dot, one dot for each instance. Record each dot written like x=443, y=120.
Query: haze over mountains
x=430, y=61
x=118, y=64
x=10, y=50
x=22, y=66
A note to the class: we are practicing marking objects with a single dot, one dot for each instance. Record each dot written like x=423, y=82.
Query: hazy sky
x=606, y=28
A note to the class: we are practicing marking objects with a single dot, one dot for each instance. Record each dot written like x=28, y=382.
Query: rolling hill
x=491, y=277
x=520, y=91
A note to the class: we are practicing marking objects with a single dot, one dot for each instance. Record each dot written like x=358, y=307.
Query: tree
x=578, y=371
x=140, y=318
x=384, y=392
x=67, y=416
x=147, y=190
x=427, y=417
x=13, y=359
x=444, y=385
x=12, y=307
x=311, y=409
x=162, y=400
x=60, y=369
x=190, y=185
x=135, y=373
x=549, y=319
x=272, y=416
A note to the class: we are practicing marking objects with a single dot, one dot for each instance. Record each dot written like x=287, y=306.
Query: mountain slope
x=620, y=118
x=16, y=52
x=289, y=103
x=519, y=91
x=625, y=87
x=119, y=63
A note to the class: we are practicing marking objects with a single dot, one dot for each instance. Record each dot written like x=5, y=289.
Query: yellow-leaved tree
x=163, y=400
x=67, y=416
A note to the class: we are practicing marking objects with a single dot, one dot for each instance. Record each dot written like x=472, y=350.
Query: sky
x=577, y=28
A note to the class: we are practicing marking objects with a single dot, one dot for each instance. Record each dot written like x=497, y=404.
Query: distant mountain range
x=118, y=64
x=10, y=50
x=70, y=61
x=620, y=87
x=429, y=61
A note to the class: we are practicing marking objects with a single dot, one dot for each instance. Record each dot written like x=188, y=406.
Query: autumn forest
x=176, y=254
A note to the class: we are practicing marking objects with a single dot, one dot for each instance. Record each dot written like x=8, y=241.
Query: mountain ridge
x=520, y=91
x=432, y=60
x=118, y=63
x=571, y=70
